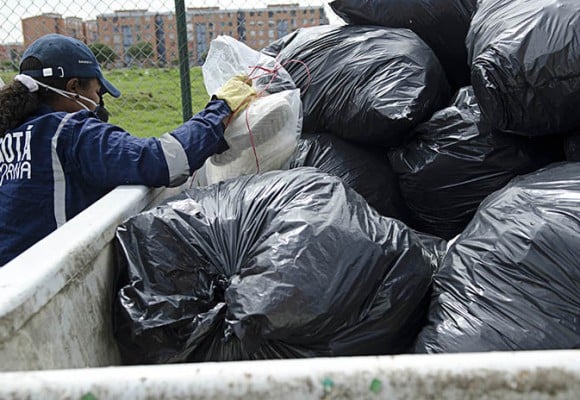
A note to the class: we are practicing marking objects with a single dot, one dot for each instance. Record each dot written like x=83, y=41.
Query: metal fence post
x=185, y=82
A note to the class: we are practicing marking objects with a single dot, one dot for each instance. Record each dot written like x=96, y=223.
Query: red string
x=274, y=73
x=252, y=142
x=309, y=81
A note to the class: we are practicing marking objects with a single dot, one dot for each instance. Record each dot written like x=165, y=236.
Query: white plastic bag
x=271, y=153
x=266, y=132
x=228, y=57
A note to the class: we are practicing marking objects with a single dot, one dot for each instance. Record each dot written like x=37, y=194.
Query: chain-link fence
x=152, y=49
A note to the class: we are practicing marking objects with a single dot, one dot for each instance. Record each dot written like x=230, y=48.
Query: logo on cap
x=46, y=72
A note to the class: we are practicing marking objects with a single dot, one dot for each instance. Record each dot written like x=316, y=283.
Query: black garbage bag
x=511, y=281
x=284, y=264
x=525, y=64
x=363, y=169
x=455, y=161
x=366, y=84
x=442, y=24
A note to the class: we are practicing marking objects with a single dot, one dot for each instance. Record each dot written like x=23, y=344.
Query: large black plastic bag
x=442, y=24
x=365, y=170
x=455, y=161
x=525, y=64
x=368, y=84
x=511, y=281
x=283, y=264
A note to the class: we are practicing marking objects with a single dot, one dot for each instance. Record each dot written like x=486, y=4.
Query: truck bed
x=56, y=340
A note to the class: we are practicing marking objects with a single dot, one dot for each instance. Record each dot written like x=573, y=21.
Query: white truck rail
x=56, y=340
x=525, y=375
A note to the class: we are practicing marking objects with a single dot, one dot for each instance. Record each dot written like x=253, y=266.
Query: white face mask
x=70, y=95
x=32, y=85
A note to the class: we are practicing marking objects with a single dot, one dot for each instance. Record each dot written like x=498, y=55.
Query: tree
x=141, y=51
x=103, y=53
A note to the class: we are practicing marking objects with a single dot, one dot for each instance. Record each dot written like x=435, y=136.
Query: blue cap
x=65, y=57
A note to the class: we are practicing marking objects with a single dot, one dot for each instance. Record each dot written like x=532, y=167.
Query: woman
x=58, y=155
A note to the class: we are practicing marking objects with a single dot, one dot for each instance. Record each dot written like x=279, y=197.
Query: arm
x=109, y=156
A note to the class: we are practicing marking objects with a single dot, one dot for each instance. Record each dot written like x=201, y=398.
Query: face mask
x=99, y=111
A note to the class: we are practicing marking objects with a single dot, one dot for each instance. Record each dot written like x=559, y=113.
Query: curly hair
x=17, y=102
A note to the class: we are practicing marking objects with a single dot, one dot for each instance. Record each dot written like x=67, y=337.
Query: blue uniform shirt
x=56, y=164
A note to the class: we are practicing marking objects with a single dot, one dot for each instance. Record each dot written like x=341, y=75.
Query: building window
x=282, y=27
x=200, y=40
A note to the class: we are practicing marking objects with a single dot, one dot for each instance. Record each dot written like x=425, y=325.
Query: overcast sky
x=11, y=11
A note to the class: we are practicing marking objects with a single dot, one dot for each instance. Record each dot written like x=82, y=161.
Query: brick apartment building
x=37, y=26
x=124, y=29
x=255, y=27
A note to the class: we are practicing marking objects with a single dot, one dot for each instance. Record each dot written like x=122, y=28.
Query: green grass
x=150, y=102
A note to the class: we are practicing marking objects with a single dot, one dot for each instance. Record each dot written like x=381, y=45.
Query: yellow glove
x=237, y=92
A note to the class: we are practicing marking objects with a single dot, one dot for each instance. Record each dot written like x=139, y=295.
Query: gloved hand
x=237, y=92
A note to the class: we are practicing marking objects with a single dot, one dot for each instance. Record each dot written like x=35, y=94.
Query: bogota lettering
x=15, y=156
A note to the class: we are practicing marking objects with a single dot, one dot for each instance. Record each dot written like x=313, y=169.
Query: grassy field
x=150, y=102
